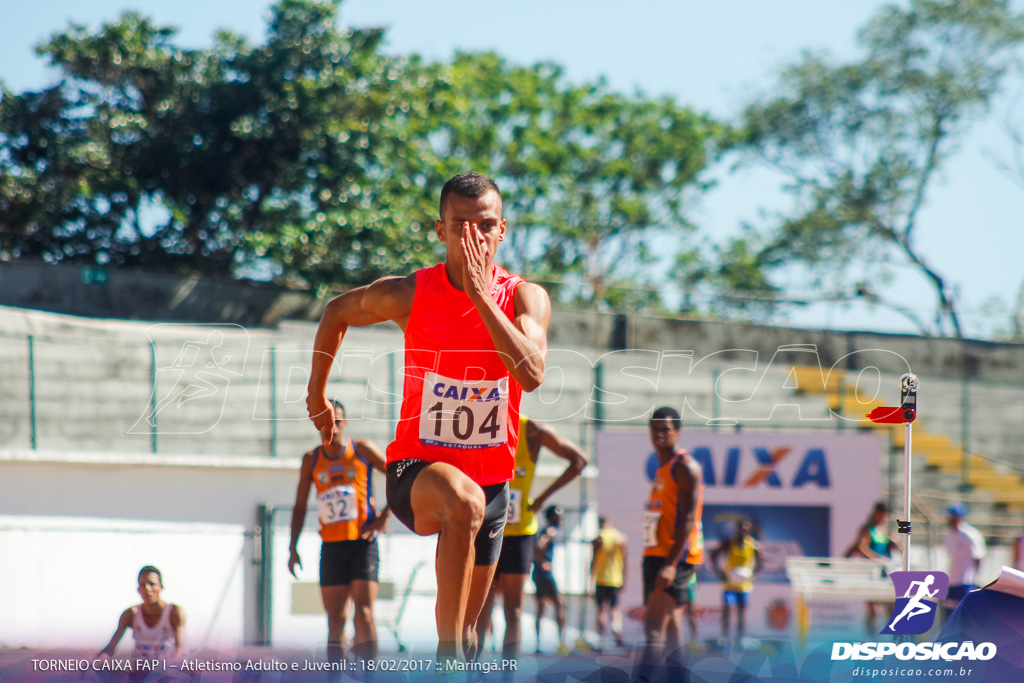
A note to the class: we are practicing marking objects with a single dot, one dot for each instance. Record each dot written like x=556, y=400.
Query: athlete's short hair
x=670, y=414
x=881, y=506
x=601, y=521
x=552, y=511
x=150, y=569
x=338, y=404
x=471, y=185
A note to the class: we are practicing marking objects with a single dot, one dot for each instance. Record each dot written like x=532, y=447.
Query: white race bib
x=337, y=504
x=515, y=506
x=461, y=414
x=651, y=520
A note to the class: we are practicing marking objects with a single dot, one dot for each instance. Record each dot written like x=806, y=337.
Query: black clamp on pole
x=903, y=527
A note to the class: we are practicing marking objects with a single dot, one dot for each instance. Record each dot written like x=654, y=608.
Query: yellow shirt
x=521, y=519
x=739, y=566
x=608, y=559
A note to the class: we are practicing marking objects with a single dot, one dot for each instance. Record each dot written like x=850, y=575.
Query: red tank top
x=459, y=404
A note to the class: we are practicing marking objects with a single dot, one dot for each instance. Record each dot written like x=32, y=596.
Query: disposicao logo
x=917, y=598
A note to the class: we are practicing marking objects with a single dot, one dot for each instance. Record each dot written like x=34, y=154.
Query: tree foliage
x=150, y=155
x=861, y=143
x=590, y=177
x=315, y=157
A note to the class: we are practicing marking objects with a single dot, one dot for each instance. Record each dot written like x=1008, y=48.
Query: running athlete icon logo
x=917, y=598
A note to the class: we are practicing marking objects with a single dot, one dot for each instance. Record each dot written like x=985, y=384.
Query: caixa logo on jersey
x=775, y=467
x=917, y=599
x=466, y=393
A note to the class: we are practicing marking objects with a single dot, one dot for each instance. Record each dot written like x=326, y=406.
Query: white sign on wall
x=806, y=494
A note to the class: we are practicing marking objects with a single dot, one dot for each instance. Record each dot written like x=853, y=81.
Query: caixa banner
x=803, y=494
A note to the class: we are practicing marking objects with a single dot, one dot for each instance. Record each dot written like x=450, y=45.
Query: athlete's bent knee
x=466, y=508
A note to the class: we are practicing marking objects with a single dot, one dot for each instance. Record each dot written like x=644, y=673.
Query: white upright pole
x=906, y=495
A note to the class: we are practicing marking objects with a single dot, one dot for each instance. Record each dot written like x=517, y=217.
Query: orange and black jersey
x=344, y=492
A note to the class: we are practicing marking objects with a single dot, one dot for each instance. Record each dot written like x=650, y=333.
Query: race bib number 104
x=461, y=414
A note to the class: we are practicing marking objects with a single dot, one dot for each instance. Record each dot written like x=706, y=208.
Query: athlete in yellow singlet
x=521, y=527
x=608, y=569
x=673, y=538
x=342, y=474
x=742, y=562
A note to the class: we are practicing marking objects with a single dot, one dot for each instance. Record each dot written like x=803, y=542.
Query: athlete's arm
x=715, y=555
x=596, y=543
x=523, y=342
x=299, y=509
x=386, y=299
x=177, y=621
x=546, y=538
x=864, y=546
x=124, y=622
x=758, y=565
x=564, y=449
x=625, y=560
x=378, y=461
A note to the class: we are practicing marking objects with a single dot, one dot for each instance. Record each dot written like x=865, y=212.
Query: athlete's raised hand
x=475, y=254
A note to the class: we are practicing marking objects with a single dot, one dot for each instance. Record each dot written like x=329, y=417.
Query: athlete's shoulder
x=687, y=465
x=530, y=293
x=309, y=457
x=394, y=284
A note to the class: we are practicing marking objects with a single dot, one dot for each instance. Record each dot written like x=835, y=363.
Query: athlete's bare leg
x=601, y=618
x=446, y=502
x=617, y=627
x=660, y=609
x=560, y=617
x=540, y=615
x=335, y=601
x=364, y=644
x=512, y=587
x=480, y=585
x=483, y=622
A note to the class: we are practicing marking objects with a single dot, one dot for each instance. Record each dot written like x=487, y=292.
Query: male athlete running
x=475, y=338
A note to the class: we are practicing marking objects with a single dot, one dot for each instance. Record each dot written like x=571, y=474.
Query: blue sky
x=711, y=56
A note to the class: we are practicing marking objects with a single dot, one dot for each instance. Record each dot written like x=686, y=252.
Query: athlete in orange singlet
x=673, y=537
x=475, y=338
x=342, y=475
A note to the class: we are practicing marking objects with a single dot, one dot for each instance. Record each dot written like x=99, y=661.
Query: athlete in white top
x=966, y=547
x=158, y=627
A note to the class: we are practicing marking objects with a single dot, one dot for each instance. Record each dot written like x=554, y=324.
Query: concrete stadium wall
x=75, y=527
x=133, y=295
x=158, y=297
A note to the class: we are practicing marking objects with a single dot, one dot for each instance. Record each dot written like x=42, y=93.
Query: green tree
x=591, y=178
x=314, y=157
x=195, y=160
x=861, y=143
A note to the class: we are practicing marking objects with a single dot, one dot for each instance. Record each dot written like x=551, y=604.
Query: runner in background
x=742, y=562
x=966, y=547
x=609, y=569
x=158, y=627
x=673, y=538
x=544, y=578
x=873, y=543
x=521, y=528
x=342, y=475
